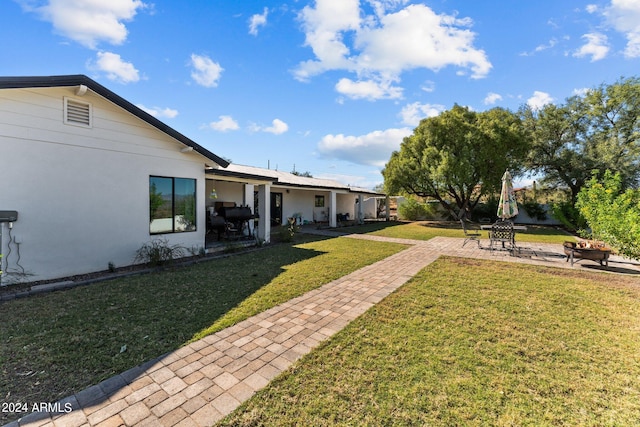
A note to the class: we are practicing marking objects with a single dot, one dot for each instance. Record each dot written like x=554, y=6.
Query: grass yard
x=473, y=343
x=55, y=344
x=425, y=230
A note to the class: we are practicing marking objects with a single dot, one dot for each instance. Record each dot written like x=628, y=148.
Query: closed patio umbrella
x=508, y=207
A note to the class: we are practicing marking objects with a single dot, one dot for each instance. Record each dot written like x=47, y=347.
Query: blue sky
x=329, y=86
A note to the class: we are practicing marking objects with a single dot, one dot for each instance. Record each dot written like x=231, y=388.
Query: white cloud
x=624, y=16
x=89, y=22
x=539, y=100
x=428, y=86
x=591, y=8
x=540, y=48
x=581, y=91
x=115, y=68
x=412, y=113
x=372, y=179
x=168, y=113
x=277, y=127
x=205, y=72
x=224, y=124
x=368, y=89
x=492, y=98
x=416, y=37
x=256, y=21
x=596, y=47
x=373, y=149
x=384, y=45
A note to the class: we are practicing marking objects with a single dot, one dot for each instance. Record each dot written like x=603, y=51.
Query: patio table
x=515, y=227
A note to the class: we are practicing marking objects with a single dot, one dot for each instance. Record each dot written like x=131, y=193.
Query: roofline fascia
x=242, y=175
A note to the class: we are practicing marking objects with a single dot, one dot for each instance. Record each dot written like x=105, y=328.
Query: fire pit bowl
x=574, y=251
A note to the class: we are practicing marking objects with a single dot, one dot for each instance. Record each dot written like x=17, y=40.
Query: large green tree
x=596, y=131
x=457, y=157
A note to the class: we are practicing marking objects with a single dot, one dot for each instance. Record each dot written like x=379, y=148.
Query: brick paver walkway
x=200, y=383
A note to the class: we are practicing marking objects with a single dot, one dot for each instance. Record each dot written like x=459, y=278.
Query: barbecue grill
x=232, y=221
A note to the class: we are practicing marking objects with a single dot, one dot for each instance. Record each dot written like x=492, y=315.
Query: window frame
x=173, y=208
x=319, y=201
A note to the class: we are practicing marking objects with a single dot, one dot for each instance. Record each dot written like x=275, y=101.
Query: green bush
x=412, y=210
x=568, y=215
x=612, y=214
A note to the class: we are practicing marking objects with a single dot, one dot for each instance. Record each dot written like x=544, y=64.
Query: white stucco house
x=88, y=178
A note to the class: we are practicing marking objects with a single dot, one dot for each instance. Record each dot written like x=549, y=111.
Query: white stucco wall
x=302, y=201
x=82, y=194
x=226, y=192
x=296, y=202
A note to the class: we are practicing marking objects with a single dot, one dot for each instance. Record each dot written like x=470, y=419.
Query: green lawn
x=425, y=230
x=55, y=344
x=473, y=343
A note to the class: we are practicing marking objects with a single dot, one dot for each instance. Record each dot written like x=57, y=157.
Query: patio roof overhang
x=234, y=176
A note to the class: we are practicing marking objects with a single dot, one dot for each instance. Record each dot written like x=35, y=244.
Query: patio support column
x=248, y=201
x=264, y=210
x=359, y=214
x=333, y=219
x=387, y=204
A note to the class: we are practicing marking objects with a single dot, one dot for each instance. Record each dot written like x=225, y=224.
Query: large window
x=172, y=205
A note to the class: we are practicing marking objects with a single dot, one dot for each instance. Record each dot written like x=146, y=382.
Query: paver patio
x=202, y=382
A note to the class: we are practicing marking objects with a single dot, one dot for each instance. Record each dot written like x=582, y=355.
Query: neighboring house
x=92, y=178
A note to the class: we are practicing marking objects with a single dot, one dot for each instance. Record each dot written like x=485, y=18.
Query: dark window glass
x=172, y=205
x=319, y=201
x=185, y=204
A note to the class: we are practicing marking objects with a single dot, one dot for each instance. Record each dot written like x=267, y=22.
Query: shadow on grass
x=370, y=227
x=54, y=345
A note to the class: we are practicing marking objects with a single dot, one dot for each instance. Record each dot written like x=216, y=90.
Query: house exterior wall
x=346, y=204
x=301, y=202
x=297, y=202
x=82, y=194
x=226, y=192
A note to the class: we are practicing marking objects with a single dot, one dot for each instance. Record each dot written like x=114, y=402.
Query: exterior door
x=276, y=209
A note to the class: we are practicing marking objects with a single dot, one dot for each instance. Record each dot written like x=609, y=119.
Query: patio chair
x=502, y=232
x=471, y=232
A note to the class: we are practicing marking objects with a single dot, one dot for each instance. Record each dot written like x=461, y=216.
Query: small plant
x=112, y=267
x=287, y=232
x=158, y=252
x=197, y=251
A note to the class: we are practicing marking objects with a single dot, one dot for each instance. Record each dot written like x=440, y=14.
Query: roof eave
x=80, y=79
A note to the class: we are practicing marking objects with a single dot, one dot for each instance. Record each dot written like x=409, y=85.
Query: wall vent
x=77, y=113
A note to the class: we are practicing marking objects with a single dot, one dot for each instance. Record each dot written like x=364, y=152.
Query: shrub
x=568, y=215
x=412, y=210
x=158, y=252
x=612, y=214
